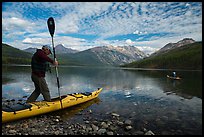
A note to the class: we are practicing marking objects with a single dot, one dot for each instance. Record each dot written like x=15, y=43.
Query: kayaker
x=38, y=65
x=174, y=74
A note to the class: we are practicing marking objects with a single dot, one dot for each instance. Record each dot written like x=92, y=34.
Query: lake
x=145, y=96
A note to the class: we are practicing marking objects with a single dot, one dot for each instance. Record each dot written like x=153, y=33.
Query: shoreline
x=82, y=123
x=110, y=67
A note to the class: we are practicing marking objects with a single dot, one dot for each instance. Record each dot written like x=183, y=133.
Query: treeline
x=11, y=60
x=11, y=55
x=185, y=57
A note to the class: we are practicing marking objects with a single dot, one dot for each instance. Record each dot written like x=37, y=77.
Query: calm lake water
x=144, y=96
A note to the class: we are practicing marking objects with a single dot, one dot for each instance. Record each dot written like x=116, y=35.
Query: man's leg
x=36, y=92
x=44, y=89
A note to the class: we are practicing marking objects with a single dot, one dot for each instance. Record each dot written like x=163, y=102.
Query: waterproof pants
x=40, y=88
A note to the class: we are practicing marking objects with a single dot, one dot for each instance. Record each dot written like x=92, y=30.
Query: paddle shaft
x=58, y=85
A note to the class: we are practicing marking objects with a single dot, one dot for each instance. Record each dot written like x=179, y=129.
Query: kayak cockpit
x=16, y=107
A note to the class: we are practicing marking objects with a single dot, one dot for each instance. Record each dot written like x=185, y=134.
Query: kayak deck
x=175, y=78
x=19, y=111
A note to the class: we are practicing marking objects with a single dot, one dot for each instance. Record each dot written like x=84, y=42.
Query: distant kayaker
x=39, y=66
x=174, y=74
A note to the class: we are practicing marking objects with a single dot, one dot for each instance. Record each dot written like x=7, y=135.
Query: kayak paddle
x=51, y=27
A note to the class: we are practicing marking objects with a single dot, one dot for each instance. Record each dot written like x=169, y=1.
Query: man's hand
x=55, y=63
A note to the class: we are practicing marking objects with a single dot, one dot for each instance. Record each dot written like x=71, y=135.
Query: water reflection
x=188, y=87
x=16, y=81
x=71, y=111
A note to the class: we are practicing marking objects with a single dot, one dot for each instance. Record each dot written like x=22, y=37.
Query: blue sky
x=82, y=25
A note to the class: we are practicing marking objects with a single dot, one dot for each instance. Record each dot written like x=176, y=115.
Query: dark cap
x=47, y=47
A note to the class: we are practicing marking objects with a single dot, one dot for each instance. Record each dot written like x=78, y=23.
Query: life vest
x=38, y=65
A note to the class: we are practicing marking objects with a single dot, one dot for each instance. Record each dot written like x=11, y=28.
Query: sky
x=82, y=25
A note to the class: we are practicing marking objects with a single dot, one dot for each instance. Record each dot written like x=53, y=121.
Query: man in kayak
x=174, y=74
x=39, y=66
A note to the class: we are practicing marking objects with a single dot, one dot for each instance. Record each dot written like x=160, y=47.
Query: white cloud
x=68, y=42
x=136, y=32
x=147, y=49
x=39, y=34
x=27, y=40
x=67, y=24
x=36, y=41
x=129, y=42
x=16, y=24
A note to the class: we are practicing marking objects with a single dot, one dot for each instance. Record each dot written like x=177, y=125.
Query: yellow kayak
x=19, y=111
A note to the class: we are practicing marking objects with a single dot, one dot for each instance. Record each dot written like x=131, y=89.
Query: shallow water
x=146, y=97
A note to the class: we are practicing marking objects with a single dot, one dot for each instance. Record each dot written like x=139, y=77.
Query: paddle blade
x=51, y=26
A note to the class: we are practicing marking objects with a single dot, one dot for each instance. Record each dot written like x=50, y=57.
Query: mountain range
x=105, y=55
x=112, y=55
x=102, y=56
x=59, y=49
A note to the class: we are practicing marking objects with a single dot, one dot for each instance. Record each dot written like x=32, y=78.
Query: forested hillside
x=185, y=57
x=11, y=55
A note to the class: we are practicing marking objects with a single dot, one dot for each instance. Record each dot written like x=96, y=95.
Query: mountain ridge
x=171, y=46
x=106, y=55
x=118, y=54
x=59, y=49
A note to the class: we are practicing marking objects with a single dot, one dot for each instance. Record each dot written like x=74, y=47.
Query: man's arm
x=45, y=57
